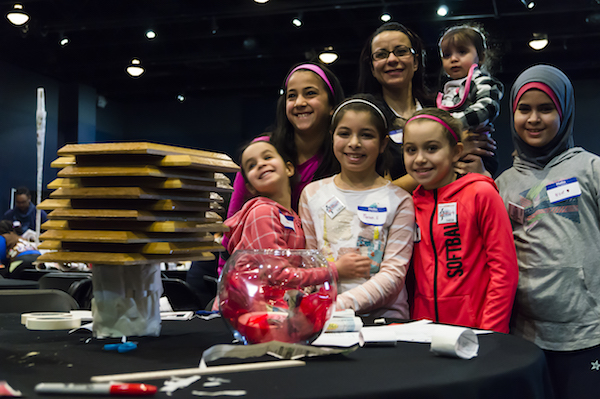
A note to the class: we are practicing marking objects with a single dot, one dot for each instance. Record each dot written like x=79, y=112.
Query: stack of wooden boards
x=134, y=204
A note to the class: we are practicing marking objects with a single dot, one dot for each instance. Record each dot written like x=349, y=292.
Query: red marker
x=60, y=388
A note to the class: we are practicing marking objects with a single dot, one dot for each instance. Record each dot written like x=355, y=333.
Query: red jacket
x=465, y=262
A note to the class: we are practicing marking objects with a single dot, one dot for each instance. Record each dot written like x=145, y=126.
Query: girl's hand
x=353, y=265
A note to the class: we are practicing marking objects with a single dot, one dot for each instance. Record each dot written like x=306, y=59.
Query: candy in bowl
x=276, y=295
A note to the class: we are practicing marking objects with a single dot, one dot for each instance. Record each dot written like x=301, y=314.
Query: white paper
x=454, y=341
x=340, y=339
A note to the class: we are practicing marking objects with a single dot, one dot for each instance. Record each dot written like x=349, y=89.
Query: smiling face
x=393, y=72
x=536, y=118
x=307, y=102
x=458, y=58
x=357, y=143
x=266, y=171
x=428, y=156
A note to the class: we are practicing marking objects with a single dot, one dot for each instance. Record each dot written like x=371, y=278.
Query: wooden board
x=154, y=248
x=130, y=204
x=119, y=237
x=129, y=193
x=125, y=225
x=132, y=215
x=197, y=159
x=126, y=259
x=146, y=182
x=63, y=162
x=129, y=171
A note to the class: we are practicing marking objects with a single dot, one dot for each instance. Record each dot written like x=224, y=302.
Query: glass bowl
x=276, y=295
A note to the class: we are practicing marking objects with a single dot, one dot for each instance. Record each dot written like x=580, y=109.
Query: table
x=11, y=284
x=507, y=366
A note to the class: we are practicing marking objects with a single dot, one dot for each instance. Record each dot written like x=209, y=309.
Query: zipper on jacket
x=435, y=257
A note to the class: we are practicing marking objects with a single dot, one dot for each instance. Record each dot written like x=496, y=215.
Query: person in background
x=25, y=212
x=552, y=196
x=16, y=254
x=464, y=260
x=469, y=93
x=359, y=211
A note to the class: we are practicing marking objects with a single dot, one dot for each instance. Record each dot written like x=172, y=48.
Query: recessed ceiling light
x=442, y=11
x=385, y=17
x=64, y=41
x=539, y=41
x=528, y=3
x=297, y=22
x=180, y=98
x=150, y=34
x=261, y=1
x=328, y=56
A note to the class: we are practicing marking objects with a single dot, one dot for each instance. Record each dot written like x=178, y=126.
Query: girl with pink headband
x=310, y=92
x=551, y=195
x=464, y=258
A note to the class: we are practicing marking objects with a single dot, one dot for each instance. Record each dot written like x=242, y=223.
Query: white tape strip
x=25, y=316
x=53, y=322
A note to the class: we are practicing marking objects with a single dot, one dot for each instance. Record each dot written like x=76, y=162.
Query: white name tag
x=397, y=136
x=287, y=221
x=563, y=190
x=516, y=212
x=372, y=216
x=333, y=207
x=447, y=213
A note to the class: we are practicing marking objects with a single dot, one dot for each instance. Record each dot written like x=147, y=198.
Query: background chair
x=181, y=295
x=62, y=280
x=36, y=300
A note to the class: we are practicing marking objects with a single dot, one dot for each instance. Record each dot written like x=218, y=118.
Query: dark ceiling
x=239, y=46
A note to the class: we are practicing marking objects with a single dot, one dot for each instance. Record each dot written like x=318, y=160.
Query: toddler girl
x=358, y=211
x=464, y=259
x=551, y=193
x=469, y=93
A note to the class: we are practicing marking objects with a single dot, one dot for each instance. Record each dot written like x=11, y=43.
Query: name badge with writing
x=333, y=207
x=287, y=221
x=397, y=136
x=372, y=216
x=516, y=212
x=563, y=190
x=447, y=213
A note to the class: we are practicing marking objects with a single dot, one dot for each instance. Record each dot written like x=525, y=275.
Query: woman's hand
x=479, y=143
x=353, y=265
x=471, y=164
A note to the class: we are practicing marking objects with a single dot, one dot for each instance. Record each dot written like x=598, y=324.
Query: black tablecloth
x=11, y=284
x=506, y=367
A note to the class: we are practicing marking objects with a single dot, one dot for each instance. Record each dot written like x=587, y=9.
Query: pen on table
x=60, y=388
x=206, y=312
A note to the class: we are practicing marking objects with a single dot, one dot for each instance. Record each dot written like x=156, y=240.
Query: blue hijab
x=560, y=84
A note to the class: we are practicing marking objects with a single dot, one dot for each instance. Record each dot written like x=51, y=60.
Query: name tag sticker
x=372, y=216
x=397, y=136
x=447, y=213
x=417, y=233
x=516, y=212
x=563, y=190
x=287, y=221
x=333, y=207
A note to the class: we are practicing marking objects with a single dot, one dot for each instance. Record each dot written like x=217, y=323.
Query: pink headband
x=540, y=86
x=435, y=119
x=314, y=68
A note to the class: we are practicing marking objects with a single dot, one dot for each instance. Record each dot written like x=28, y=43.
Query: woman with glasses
x=391, y=67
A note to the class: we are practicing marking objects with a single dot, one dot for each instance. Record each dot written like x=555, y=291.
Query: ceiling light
x=328, y=56
x=528, y=3
x=150, y=34
x=213, y=26
x=180, y=98
x=135, y=69
x=442, y=11
x=539, y=41
x=297, y=22
x=17, y=16
x=261, y=1
x=64, y=41
x=385, y=17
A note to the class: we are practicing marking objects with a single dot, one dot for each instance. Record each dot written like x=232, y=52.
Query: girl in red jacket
x=464, y=258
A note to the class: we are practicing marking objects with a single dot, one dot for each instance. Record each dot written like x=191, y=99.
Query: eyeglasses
x=399, y=52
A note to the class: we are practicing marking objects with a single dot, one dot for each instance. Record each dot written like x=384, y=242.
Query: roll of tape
x=53, y=322
x=25, y=316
